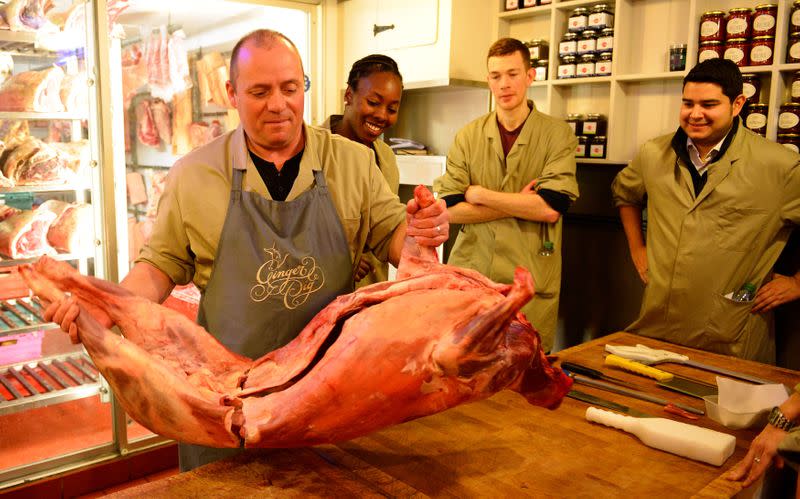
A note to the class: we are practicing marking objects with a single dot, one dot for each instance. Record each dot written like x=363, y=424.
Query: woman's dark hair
x=374, y=63
x=723, y=72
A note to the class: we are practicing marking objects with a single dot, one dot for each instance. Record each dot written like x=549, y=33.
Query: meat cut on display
x=394, y=351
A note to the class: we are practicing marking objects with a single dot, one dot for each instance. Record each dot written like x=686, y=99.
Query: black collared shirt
x=279, y=182
x=681, y=150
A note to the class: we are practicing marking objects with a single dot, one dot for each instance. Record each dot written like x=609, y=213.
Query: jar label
x=580, y=151
x=735, y=54
x=586, y=46
x=736, y=25
x=788, y=120
x=794, y=51
x=707, y=54
x=605, y=43
x=793, y=147
x=529, y=3
x=601, y=19
x=796, y=88
x=597, y=151
x=749, y=90
x=764, y=22
x=755, y=121
x=567, y=48
x=796, y=18
x=566, y=71
x=578, y=22
x=602, y=68
x=541, y=74
x=511, y=4
x=585, y=69
x=708, y=28
x=589, y=127
x=760, y=53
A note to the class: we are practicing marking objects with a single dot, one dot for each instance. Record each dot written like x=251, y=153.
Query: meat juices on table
x=363, y=363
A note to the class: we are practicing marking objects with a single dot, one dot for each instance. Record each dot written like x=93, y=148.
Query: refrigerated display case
x=59, y=110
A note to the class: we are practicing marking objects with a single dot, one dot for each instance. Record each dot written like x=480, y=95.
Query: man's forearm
x=149, y=282
x=468, y=213
x=396, y=244
x=527, y=206
x=631, y=217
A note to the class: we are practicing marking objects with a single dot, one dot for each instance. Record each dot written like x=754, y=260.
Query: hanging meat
x=71, y=231
x=38, y=91
x=162, y=119
x=74, y=93
x=25, y=235
x=212, y=73
x=25, y=15
x=362, y=364
x=145, y=125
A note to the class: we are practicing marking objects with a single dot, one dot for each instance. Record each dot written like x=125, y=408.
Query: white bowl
x=733, y=420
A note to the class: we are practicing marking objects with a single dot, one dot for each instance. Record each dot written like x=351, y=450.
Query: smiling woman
x=372, y=104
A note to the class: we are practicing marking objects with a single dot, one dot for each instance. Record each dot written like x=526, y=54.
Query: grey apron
x=278, y=263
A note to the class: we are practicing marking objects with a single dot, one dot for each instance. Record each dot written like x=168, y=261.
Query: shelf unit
x=641, y=98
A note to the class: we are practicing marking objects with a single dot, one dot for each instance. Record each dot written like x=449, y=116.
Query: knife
x=632, y=393
x=591, y=399
x=594, y=373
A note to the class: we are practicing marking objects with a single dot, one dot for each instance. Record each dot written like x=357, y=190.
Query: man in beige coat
x=721, y=202
x=510, y=176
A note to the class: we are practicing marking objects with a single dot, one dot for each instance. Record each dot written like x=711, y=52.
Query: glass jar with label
x=756, y=119
x=580, y=149
x=751, y=87
x=538, y=49
x=794, y=17
x=764, y=19
x=737, y=50
x=587, y=43
x=566, y=69
x=512, y=4
x=793, y=50
x=711, y=26
x=585, y=67
x=603, y=65
x=568, y=44
x=761, y=50
x=528, y=3
x=597, y=146
x=594, y=124
x=710, y=50
x=540, y=70
x=575, y=121
x=578, y=20
x=790, y=141
x=601, y=16
x=794, y=89
x=789, y=118
x=605, y=40
x=738, y=23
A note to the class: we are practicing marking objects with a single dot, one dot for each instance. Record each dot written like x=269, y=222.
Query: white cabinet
x=433, y=41
x=641, y=98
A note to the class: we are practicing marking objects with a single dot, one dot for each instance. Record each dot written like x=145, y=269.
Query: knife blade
x=631, y=393
x=591, y=399
x=596, y=374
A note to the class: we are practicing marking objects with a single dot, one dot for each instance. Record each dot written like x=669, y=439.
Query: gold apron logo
x=294, y=284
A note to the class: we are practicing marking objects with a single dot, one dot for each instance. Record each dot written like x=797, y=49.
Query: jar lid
x=739, y=10
x=606, y=55
x=537, y=41
x=594, y=116
x=578, y=11
x=763, y=38
x=600, y=7
x=743, y=40
x=587, y=57
x=599, y=137
x=758, y=105
x=790, y=104
x=610, y=31
x=677, y=45
x=796, y=3
x=713, y=42
x=542, y=62
x=767, y=6
x=569, y=35
x=713, y=13
x=567, y=59
x=588, y=34
x=751, y=76
x=578, y=116
x=788, y=136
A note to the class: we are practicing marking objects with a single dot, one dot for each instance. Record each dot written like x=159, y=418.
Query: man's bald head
x=259, y=38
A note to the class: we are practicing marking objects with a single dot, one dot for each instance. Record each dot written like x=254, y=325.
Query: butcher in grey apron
x=278, y=263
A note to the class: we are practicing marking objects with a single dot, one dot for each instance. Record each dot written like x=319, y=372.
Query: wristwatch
x=778, y=420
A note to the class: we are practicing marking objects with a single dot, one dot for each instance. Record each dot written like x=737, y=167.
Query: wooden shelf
x=541, y=10
x=581, y=81
x=668, y=75
x=46, y=188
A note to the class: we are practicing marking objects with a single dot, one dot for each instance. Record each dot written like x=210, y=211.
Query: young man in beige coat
x=721, y=202
x=510, y=176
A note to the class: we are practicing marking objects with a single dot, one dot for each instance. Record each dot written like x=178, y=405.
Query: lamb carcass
x=386, y=354
x=25, y=235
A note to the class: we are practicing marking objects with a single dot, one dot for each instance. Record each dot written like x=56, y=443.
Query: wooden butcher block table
x=500, y=447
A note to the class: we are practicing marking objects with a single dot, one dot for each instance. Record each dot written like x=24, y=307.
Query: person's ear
x=738, y=104
x=348, y=96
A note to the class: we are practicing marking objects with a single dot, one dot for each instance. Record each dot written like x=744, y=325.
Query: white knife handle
x=607, y=418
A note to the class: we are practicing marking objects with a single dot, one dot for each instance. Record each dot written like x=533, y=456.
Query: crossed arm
x=484, y=205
